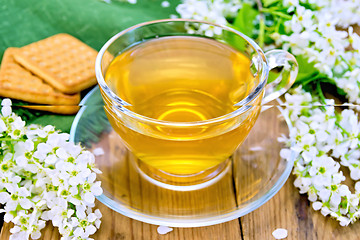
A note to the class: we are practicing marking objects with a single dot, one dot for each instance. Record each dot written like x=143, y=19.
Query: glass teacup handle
x=283, y=69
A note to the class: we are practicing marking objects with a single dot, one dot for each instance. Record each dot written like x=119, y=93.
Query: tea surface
x=181, y=79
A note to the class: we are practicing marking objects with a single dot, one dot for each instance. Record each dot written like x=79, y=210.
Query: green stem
x=262, y=32
x=10, y=139
x=308, y=80
x=346, y=62
x=320, y=92
x=342, y=129
x=262, y=24
x=337, y=123
x=276, y=13
x=321, y=95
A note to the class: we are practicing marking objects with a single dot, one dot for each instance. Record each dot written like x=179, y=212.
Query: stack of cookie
x=50, y=73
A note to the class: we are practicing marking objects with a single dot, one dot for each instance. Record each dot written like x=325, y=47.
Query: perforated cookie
x=61, y=60
x=19, y=83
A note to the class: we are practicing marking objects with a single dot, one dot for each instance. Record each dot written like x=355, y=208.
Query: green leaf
x=26, y=114
x=235, y=41
x=310, y=77
x=61, y=122
x=244, y=21
x=91, y=21
x=306, y=69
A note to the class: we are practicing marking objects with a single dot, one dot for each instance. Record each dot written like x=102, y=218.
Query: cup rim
x=245, y=103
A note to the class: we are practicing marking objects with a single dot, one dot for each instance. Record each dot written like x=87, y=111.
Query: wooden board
x=115, y=226
x=287, y=209
x=292, y=211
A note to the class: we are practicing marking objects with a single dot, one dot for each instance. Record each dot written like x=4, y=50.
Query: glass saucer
x=256, y=174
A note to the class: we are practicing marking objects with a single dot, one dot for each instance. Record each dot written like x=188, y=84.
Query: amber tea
x=182, y=80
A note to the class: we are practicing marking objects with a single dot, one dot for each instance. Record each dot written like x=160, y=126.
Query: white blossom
x=165, y=4
x=317, y=35
x=98, y=151
x=212, y=11
x=320, y=138
x=45, y=178
x=280, y=233
x=164, y=230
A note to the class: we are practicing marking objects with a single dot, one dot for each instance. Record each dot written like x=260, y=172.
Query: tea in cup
x=183, y=102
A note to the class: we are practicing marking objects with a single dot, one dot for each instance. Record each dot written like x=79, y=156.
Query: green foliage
x=245, y=20
x=91, y=21
x=93, y=118
x=310, y=78
x=306, y=70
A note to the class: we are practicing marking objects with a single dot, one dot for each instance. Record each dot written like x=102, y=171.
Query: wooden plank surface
x=292, y=211
x=287, y=209
x=115, y=226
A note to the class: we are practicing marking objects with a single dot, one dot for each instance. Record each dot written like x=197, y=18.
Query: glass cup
x=184, y=94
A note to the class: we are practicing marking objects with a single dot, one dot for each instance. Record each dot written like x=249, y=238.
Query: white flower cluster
x=318, y=35
x=215, y=11
x=323, y=140
x=316, y=32
x=45, y=177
